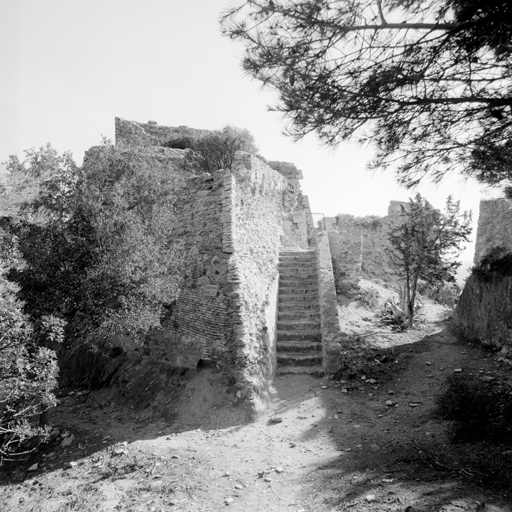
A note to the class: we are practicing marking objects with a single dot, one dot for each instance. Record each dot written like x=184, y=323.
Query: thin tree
x=424, y=245
x=428, y=82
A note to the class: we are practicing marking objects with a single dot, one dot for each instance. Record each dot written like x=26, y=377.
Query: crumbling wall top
x=150, y=134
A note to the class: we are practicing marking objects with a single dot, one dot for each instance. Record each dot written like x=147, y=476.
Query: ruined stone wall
x=484, y=311
x=256, y=231
x=197, y=326
x=232, y=225
x=150, y=134
x=359, y=247
x=332, y=338
x=298, y=221
x=494, y=227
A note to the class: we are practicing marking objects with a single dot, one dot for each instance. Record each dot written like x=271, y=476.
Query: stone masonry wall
x=332, y=338
x=150, y=134
x=359, y=247
x=484, y=312
x=197, y=326
x=296, y=205
x=257, y=202
x=232, y=227
x=494, y=227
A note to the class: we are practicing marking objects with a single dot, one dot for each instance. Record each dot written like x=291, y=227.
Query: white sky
x=68, y=67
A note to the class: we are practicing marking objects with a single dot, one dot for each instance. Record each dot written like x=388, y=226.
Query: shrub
x=392, y=315
x=103, y=256
x=217, y=150
x=369, y=297
x=28, y=375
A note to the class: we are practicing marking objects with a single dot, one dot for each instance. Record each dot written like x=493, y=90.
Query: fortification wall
x=494, y=227
x=197, y=326
x=256, y=231
x=231, y=224
x=359, y=247
x=484, y=311
x=150, y=134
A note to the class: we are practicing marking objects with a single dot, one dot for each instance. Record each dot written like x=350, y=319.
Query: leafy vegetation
x=427, y=82
x=217, y=150
x=97, y=248
x=424, y=244
x=28, y=374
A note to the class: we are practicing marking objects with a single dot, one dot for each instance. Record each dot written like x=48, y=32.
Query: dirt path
x=324, y=446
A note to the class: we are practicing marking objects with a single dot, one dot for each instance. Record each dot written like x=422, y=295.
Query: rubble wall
x=256, y=231
x=494, y=227
x=359, y=247
x=196, y=327
x=150, y=134
x=484, y=311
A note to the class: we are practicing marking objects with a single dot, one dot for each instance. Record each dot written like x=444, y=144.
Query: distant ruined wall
x=494, y=227
x=359, y=247
x=150, y=134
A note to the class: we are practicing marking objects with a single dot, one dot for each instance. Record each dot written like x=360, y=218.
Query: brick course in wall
x=197, y=328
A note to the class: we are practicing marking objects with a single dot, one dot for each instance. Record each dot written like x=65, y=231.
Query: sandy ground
x=371, y=444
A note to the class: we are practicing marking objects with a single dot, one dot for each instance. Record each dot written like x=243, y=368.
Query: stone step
x=299, y=359
x=298, y=346
x=297, y=270
x=300, y=282
x=293, y=280
x=297, y=265
x=315, y=371
x=299, y=307
x=293, y=252
x=294, y=299
x=299, y=262
x=297, y=291
x=306, y=315
x=297, y=253
x=299, y=324
x=311, y=336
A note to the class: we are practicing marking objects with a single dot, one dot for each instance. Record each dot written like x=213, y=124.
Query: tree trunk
x=412, y=298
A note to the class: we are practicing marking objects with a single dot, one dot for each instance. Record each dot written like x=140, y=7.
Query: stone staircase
x=299, y=338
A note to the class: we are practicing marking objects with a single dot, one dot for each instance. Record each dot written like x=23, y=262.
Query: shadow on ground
x=393, y=453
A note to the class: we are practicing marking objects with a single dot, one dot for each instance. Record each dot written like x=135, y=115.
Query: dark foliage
x=217, y=150
x=96, y=248
x=424, y=244
x=428, y=82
